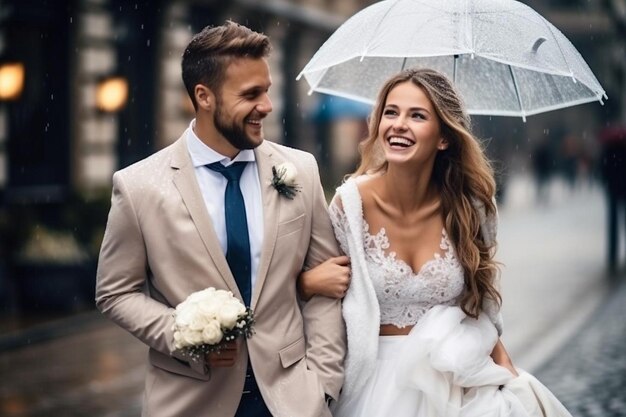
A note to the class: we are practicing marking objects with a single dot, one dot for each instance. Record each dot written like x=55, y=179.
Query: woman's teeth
x=402, y=142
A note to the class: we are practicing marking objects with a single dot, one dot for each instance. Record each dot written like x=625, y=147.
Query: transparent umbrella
x=504, y=57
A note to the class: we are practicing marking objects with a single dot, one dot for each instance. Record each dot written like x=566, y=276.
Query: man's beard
x=233, y=133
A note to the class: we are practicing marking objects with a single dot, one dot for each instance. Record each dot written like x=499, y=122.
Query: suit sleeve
x=323, y=322
x=121, y=278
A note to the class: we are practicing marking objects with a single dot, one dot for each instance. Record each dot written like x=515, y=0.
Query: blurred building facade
x=101, y=89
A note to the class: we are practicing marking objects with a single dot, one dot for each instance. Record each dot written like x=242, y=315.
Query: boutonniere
x=284, y=180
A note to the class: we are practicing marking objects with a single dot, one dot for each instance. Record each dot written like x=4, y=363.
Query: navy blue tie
x=238, y=247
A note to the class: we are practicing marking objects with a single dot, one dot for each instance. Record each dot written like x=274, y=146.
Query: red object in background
x=612, y=134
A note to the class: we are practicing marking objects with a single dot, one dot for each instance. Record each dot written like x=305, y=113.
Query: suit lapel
x=187, y=185
x=265, y=162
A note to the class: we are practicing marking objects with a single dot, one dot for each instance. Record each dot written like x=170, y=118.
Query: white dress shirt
x=213, y=186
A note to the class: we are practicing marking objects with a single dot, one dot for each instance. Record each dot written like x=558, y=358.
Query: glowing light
x=11, y=80
x=111, y=94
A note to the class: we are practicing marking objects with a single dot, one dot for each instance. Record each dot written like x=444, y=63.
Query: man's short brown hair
x=210, y=52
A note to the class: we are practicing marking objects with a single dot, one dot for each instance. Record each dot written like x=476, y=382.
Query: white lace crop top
x=403, y=295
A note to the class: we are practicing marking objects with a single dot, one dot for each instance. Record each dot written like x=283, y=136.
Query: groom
x=203, y=213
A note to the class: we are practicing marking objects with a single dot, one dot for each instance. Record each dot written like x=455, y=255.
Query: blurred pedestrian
x=542, y=163
x=570, y=158
x=613, y=169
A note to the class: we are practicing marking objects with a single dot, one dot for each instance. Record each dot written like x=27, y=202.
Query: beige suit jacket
x=160, y=246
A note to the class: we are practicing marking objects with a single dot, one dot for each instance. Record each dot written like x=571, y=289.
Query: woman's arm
x=330, y=279
x=502, y=358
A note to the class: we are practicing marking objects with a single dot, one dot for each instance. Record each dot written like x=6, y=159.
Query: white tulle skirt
x=382, y=396
x=443, y=368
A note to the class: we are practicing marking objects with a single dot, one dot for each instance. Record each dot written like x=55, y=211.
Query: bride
x=418, y=223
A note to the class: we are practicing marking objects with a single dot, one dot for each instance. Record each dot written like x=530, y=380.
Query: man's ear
x=204, y=97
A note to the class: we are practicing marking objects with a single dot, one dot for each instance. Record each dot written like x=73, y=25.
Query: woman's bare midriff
x=391, y=330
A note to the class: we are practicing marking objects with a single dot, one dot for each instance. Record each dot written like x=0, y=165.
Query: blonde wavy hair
x=462, y=174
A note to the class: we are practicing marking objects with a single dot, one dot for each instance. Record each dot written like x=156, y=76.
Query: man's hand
x=226, y=357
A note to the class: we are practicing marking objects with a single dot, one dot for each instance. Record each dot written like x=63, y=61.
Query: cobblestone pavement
x=588, y=374
x=97, y=371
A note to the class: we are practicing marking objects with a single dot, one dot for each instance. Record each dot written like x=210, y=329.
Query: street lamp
x=112, y=94
x=11, y=80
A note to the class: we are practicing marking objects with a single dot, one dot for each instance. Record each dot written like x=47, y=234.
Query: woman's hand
x=330, y=279
x=502, y=358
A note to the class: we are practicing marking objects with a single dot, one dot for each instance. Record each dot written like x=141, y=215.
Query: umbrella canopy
x=504, y=58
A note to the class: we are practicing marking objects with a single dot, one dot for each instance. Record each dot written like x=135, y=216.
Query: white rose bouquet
x=207, y=319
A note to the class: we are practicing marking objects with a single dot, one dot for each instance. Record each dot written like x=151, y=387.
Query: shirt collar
x=201, y=154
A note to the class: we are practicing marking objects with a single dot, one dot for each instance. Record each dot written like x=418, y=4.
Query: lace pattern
x=403, y=295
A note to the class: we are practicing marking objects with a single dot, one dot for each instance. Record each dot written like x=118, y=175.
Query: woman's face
x=409, y=127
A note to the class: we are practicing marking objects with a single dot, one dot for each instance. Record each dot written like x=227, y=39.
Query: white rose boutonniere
x=207, y=319
x=284, y=179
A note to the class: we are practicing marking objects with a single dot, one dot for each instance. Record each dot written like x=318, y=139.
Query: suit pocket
x=175, y=366
x=292, y=353
x=291, y=226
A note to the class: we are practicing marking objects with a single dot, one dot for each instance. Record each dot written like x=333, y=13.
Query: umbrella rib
x=519, y=98
x=318, y=81
x=456, y=58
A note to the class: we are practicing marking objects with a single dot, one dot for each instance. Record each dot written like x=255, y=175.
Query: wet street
x=563, y=321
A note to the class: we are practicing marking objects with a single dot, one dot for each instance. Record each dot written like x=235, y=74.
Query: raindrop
x=142, y=26
x=52, y=97
x=136, y=6
x=129, y=142
x=71, y=19
x=128, y=58
x=148, y=42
